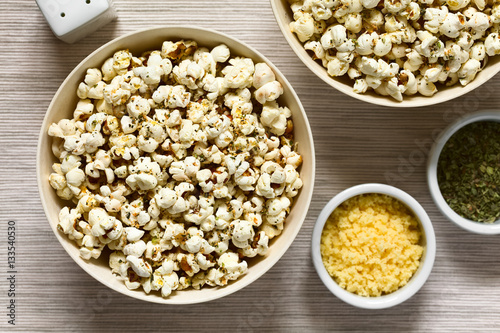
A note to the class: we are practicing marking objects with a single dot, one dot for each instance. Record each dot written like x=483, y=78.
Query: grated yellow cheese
x=370, y=245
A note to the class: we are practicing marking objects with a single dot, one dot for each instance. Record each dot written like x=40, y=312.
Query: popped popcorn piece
x=229, y=261
x=138, y=106
x=466, y=73
x=187, y=73
x=239, y=74
x=492, y=44
x=259, y=246
x=220, y=53
x=135, y=249
x=118, y=264
x=171, y=162
x=121, y=61
x=172, y=96
x=141, y=268
x=262, y=75
x=165, y=279
x=275, y=117
x=92, y=77
x=425, y=87
x=178, y=50
x=157, y=67
x=107, y=70
x=303, y=25
x=243, y=232
x=269, y=92
x=133, y=234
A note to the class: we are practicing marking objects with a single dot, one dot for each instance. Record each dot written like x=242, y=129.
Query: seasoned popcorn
x=180, y=161
x=399, y=47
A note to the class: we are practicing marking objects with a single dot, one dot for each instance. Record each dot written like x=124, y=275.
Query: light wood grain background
x=355, y=143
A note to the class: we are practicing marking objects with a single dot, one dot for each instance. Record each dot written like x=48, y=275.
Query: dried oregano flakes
x=469, y=171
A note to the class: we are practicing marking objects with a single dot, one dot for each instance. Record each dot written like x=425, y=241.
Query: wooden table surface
x=355, y=143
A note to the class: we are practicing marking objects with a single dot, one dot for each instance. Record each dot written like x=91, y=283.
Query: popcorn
x=492, y=44
x=243, y=232
x=303, y=25
x=479, y=22
x=107, y=70
x=92, y=77
x=220, y=53
x=83, y=109
x=138, y=106
x=275, y=117
x=132, y=214
x=467, y=72
x=100, y=221
x=177, y=50
x=133, y=234
x=383, y=45
x=96, y=91
x=57, y=181
x=205, y=60
x=262, y=75
x=337, y=67
x=425, y=87
x=478, y=51
x=187, y=73
x=165, y=279
x=195, y=242
x=172, y=166
x=239, y=74
x=374, y=42
x=165, y=198
x=116, y=231
x=229, y=261
x=172, y=96
x=75, y=177
x=452, y=25
x=141, y=268
x=353, y=22
x=117, y=92
x=156, y=68
x=135, y=249
x=457, y=4
x=269, y=92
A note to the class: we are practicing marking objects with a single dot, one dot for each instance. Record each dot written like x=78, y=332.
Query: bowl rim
x=432, y=181
x=419, y=277
x=320, y=72
x=279, y=252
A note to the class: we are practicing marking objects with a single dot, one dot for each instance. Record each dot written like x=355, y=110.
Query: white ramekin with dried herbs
x=463, y=172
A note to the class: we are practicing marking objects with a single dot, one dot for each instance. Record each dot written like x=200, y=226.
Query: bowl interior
x=63, y=104
x=473, y=226
x=428, y=242
x=284, y=16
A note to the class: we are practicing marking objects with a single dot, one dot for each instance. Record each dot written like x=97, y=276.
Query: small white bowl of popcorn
x=395, y=53
x=175, y=165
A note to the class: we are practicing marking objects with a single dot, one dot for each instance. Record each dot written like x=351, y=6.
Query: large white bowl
x=418, y=279
x=469, y=225
x=284, y=16
x=63, y=104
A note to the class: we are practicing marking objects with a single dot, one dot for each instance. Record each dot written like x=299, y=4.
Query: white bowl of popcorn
x=400, y=54
x=168, y=175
